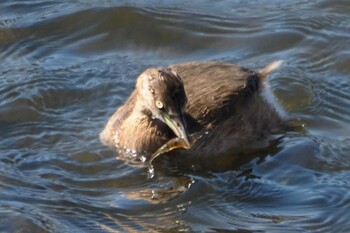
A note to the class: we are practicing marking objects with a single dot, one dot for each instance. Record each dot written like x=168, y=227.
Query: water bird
x=210, y=106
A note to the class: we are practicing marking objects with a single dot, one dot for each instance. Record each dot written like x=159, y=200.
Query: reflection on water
x=65, y=67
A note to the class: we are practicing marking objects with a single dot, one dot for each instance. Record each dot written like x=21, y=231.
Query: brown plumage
x=222, y=101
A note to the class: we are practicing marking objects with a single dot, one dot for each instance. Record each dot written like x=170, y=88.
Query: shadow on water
x=66, y=67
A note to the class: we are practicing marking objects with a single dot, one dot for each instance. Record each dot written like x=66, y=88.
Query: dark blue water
x=66, y=67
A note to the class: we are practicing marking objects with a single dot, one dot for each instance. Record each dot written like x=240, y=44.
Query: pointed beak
x=176, y=124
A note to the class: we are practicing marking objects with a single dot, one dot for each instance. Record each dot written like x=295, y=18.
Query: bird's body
x=224, y=105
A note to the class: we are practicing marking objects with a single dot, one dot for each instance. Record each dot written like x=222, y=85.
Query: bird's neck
x=141, y=133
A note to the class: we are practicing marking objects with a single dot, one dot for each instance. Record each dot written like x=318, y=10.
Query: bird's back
x=225, y=100
x=216, y=91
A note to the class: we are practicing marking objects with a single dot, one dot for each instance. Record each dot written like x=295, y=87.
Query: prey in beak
x=177, y=124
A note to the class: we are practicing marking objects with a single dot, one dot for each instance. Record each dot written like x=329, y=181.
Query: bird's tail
x=270, y=67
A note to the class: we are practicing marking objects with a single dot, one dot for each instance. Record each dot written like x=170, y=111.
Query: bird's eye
x=159, y=104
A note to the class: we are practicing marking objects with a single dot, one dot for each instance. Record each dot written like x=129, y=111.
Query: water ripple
x=65, y=67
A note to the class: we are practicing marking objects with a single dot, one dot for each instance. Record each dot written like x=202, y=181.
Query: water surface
x=66, y=67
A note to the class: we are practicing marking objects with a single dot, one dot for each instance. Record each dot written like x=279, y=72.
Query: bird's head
x=162, y=92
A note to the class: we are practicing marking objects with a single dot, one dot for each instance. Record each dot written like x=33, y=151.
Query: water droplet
x=151, y=90
x=154, y=194
x=143, y=159
x=150, y=171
